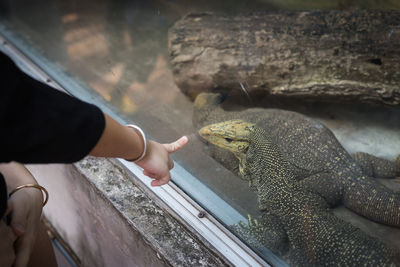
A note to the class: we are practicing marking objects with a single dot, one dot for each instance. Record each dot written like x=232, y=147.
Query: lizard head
x=232, y=135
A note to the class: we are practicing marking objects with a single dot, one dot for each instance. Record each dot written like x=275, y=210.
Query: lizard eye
x=228, y=140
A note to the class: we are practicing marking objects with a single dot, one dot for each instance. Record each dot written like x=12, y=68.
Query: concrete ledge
x=108, y=220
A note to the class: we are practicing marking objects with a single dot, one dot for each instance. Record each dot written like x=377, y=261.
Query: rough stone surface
x=351, y=56
x=172, y=241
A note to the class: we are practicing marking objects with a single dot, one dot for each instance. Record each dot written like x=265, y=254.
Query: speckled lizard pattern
x=316, y=236
x=316, y=158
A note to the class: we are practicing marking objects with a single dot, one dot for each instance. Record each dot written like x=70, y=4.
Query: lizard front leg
x=265, y=232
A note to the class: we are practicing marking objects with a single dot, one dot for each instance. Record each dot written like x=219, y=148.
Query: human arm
x=47, y=126
x=120, y=141
x=26, y=210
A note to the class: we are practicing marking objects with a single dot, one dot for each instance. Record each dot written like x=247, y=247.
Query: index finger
x=175, y=146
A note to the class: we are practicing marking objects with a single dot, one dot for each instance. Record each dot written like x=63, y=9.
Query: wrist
x=141, y=135
x=33, y=190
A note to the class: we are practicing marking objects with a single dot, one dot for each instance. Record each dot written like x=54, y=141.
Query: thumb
x=175, y=146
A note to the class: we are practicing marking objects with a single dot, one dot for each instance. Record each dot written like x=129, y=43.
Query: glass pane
x=130, y=56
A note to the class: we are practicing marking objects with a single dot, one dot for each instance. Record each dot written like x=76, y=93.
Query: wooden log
x=336, y=56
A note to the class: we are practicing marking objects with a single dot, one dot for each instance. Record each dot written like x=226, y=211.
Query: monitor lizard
x=315, y=157
x=316, y=237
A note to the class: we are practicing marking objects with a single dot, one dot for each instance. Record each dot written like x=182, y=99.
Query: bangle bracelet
x=33, y=186
x=144, y=142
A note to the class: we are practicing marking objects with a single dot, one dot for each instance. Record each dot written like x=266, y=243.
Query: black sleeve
x=39, y=124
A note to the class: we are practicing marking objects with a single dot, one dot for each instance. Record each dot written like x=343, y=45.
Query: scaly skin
x=316, y=158
x=316, y=236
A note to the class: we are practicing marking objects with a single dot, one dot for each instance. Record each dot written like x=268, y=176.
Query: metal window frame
x=227, y=244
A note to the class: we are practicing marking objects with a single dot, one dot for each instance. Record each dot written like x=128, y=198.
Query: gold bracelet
x=34, y=186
